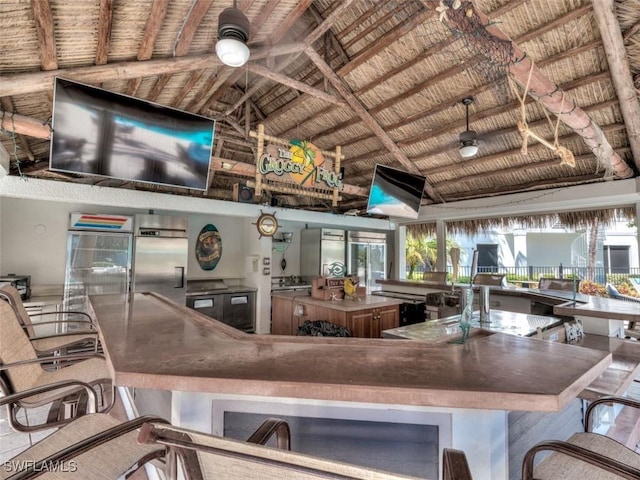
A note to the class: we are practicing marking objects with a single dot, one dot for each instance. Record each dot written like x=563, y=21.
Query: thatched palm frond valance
x=574, y=220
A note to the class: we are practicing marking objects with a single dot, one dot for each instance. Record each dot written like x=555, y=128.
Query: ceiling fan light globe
x=467, y=151
x=232, y=52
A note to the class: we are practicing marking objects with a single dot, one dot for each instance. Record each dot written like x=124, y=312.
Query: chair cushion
x=612, y=291
x=559, y=466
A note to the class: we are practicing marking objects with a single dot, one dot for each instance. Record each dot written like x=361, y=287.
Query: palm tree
x=414, y=252
x=423, y=251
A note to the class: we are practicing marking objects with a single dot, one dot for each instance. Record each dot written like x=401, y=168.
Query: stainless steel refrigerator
x=322, y=253
x=160, y=256
x=98, y=260
x=367, y=258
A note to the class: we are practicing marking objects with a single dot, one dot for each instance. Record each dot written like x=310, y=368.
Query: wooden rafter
x=181, y=47
x=152, y=29
x=104, y=31
x=368, y=52
x=189, y=27
x=335, y=43
x=371, y=122
x=604, y=12
x=294, y=84
x=44, y=29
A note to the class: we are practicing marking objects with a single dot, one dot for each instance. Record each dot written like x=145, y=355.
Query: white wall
x=550, y=249
x=34, y=239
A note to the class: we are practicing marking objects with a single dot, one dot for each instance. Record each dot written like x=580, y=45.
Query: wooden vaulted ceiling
x=383, y=79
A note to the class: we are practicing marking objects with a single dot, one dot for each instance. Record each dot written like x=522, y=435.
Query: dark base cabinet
x=237, y=309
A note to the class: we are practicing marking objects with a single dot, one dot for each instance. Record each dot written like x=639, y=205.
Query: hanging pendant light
x=233, y=33
x=469, y=138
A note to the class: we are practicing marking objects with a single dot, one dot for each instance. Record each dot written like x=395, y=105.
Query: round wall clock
x=267, y=224
x=208, y=247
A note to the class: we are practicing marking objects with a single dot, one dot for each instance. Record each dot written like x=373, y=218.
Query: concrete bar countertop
x=151, y=342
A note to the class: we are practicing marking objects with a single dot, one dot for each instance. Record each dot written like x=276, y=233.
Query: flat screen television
x=395, y=193
x=97, y=132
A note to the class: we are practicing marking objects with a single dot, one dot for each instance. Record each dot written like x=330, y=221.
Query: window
x=487, y=258
x=616, y=258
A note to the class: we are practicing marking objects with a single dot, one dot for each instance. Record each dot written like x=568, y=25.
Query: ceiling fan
x=468, y=140
x=233, y=33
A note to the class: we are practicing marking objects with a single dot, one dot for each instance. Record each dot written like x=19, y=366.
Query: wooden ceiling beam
x=360, y=109
x=7, y=108
x=609, y=26
x=294, y=84
x=554, y=24
x=27, y=83
x=104, y=32
x=46, y=38
x=21, y=125
x=524, y=72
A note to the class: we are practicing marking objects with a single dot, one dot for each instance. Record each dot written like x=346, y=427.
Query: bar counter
x=151, y=342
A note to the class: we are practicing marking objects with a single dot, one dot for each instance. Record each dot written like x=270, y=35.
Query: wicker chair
x=439, y=278
x=21, y=370
x=493, y=279
x=87, y=339
x=207, y=457
x=632, y=329
x=562, y=284
x=585, y=455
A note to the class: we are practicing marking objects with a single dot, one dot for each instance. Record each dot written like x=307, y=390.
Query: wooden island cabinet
x=366, y=318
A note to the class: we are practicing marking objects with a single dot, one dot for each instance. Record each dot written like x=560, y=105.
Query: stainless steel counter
x=445, y=329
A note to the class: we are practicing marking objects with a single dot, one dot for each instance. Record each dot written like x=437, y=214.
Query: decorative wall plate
x=208, y=247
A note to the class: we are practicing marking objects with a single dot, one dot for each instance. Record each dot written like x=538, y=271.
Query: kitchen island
x=365, y=317
x=465, y=390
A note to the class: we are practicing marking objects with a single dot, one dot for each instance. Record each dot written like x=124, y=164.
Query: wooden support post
x=259, y=150
x=336, y=168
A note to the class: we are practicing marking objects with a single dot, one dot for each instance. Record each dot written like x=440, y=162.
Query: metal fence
x=534, y=272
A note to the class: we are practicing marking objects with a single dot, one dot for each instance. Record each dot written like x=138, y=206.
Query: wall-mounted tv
x=98, y=132
x=395, y=193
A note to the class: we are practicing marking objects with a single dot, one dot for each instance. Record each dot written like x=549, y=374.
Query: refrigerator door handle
x=179, y=277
